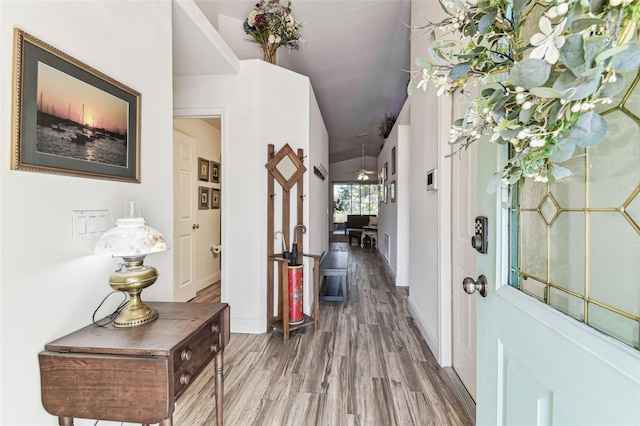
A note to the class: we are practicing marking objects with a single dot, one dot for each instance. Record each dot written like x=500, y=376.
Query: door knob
x=469, y=285
x=195, y=226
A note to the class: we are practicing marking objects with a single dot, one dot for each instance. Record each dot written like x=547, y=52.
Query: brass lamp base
x=136, y=313
x=133, y=277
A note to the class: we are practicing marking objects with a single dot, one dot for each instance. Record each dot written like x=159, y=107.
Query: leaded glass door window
x=575, y=243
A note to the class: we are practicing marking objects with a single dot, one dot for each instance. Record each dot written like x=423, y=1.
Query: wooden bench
x=333, y=270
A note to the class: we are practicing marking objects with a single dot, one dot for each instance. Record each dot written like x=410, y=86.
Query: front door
x=536, y=365
x=185, y=227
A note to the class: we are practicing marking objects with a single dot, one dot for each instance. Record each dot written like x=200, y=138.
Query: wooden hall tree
x=286, y=168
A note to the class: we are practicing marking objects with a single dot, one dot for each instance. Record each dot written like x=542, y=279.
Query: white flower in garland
x=548, y=41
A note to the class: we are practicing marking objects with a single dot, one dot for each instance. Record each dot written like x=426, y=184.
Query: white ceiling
x=355, y=52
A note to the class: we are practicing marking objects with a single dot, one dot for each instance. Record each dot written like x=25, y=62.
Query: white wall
x=426, y=218
x=394, y=216
x=50, y=284
x=262, y=104
x=208, y=234
x=319, y=207
x=403, y=205
x=388, y=211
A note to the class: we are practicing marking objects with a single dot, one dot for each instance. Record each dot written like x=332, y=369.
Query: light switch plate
x=89, y=223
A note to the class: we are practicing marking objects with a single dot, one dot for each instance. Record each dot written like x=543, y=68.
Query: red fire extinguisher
x=296, y=315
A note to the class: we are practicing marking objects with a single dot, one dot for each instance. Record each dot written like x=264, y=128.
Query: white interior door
x=184, y=169
x=464, y=261
x=537, y=366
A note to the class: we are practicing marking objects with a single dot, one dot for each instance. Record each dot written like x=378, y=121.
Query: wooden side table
x=134, y=374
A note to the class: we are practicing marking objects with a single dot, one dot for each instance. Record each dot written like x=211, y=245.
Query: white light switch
x=89, y=223
x=92, y=224
x=103, y=221
x=79, y=227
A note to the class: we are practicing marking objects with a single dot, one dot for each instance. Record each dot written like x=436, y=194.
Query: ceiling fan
x=362, y=173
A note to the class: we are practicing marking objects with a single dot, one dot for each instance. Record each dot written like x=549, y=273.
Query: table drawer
x=192, y=356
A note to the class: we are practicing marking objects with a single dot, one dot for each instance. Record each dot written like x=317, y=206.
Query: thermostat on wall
x=432, y=180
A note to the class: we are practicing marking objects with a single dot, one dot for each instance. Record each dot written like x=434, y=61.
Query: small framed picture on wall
x=393, y=160
x=203, y=169
x=392, y=191
x=215, y=198
x=215, y=172
x=203, y=197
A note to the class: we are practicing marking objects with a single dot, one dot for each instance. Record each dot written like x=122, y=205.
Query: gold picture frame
x=71, y=119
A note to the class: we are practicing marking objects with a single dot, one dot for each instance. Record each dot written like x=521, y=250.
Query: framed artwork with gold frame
x=71, y=119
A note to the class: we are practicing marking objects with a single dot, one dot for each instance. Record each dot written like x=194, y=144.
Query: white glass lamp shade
x=131, y=237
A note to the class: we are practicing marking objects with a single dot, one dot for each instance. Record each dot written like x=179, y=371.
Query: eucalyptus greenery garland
x=542, y=68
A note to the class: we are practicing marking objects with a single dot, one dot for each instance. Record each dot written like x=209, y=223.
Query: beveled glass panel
x=567, y=303
x=633, y=103
x=568, y=251
x=615, y=325
x=548, y=209
x=514, y=248
x=534, y=245
x=614, y=164
x=633, y=209
x=628, y=78
x=534, y=288
x=605, y=231
x=569, y=192
x=615, y=266
x=532, y=194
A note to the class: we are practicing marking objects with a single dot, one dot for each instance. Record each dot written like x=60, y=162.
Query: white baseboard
x=429, y=337
x=247, y=325
x=402, y=282
x=207, y=280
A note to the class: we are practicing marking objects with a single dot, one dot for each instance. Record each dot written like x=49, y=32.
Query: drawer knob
x=215, y=328
x=186, y=354
x=185, y=378
x=214, y=347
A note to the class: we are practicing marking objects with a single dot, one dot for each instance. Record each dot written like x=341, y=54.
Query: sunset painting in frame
x=72, y=119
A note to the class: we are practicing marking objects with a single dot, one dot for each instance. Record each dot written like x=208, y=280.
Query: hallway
x=366, y=365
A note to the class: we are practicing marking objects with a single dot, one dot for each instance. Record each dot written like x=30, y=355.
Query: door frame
x=222, y=114
x=445, y=237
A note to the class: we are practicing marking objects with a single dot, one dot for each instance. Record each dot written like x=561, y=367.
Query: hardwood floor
x=208, y=294
x=367, y=364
